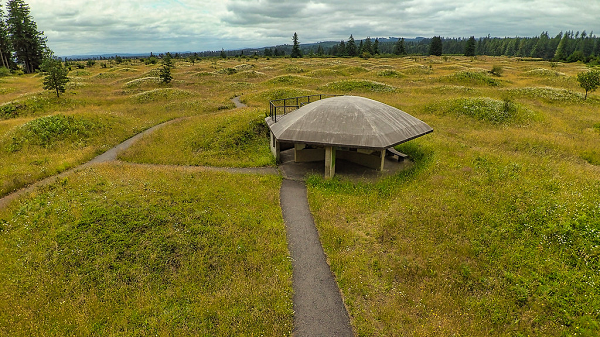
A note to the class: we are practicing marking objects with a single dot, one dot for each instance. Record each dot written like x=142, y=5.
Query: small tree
x=165, y=72
x=55, y=76
x=589, y=81
x=296, y=47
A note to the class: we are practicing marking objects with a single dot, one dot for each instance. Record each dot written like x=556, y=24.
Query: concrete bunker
x=355, y=129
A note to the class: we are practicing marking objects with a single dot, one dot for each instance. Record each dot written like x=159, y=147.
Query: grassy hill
x=494, y=231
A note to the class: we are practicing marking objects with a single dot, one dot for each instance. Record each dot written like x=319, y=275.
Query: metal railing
x=286, y=105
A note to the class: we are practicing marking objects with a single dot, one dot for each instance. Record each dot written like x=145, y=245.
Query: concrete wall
x=371, y=159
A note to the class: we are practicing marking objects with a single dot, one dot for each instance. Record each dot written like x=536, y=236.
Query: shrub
x=45, y=131
x=4, y=72
x=496, y=70
x=359, y=85
x=486, y=109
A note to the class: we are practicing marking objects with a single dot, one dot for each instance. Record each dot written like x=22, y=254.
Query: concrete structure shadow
x=343, y=169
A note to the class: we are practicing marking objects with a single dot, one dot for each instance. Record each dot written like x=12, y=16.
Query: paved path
x=318, y=306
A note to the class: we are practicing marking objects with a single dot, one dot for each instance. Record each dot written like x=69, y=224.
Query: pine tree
x=55, y=75
x=28, y=43
x=342, y=49
x=470, y=47
x=351, y=47
x=5, y=45
x=223, y=55
x=376, y=46
x=368, y=46
x=399, y=48
x=165, y=72
x=435, y=47
x=320, y=50
x=296, y=47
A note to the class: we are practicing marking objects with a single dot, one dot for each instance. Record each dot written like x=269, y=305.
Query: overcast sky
x=136, y=26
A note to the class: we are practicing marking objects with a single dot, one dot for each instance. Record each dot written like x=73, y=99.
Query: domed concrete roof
x=348, y=121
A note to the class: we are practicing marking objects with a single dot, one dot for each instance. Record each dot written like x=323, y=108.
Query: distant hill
x=230, y=52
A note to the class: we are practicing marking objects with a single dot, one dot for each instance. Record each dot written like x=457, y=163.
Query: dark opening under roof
x=348, y=121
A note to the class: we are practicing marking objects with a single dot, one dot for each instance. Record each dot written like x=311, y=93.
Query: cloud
x=83, y=26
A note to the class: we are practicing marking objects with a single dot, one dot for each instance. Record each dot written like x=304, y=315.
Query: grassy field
x=494, y=231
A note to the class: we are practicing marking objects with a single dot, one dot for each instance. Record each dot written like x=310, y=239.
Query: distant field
x=494, y=231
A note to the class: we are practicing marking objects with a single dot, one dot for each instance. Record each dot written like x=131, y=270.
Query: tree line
x=566, y=46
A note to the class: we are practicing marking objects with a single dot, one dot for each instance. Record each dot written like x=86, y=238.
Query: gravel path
x=318, y=306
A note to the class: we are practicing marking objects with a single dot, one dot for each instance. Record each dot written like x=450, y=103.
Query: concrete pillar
x=382, y=159
x=275, y=147
x=329, y=161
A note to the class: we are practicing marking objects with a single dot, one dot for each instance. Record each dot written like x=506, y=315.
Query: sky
x=83, y=27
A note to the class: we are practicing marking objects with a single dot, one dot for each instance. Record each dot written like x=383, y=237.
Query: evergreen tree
x=351, y=47
x=223, y=55
x=376, y=47
x=435, y=47
x=470, y=47
x=165, y=72
x=342, y=49
x=28, y=43
x=5, y=45
x=368, y=46
x=361, y=48
x=268, y=52
x=561, y=50
x=296, y=47
x=55, y=75
x=399, y=48
x=320, y=50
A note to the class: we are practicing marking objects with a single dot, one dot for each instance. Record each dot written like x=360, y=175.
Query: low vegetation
x=492, y=232
x=123, y=250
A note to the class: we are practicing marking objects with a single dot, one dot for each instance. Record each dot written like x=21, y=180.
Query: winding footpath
x=318, y=306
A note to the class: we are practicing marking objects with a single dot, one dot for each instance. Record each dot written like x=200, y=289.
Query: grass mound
x=471, y=78
x=548, y=94
x=390, y=73
x=246, y=74
x=141, y=81
x=359, y=85
x=543, y=72
x=161, y=94
x=233, y=139
x=268, y=95
x=319, y=73
x=289, y=80
x=486, y=109
x=46, y=131
x=122, y=250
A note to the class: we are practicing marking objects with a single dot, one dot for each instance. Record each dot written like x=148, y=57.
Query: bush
x=45, y=131
x=496, y=70
x=486, y=109
x=4, y=72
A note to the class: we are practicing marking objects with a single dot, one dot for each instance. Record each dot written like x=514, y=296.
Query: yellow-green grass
x=488, y=234
x=131, y=250
x=122, y=112
x=237, y=138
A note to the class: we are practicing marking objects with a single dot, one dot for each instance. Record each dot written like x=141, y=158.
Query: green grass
x=492, y=232
x=486, y=109
x=233, y=139
x=358, y=86
x=505, y=244
x=116, y=250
